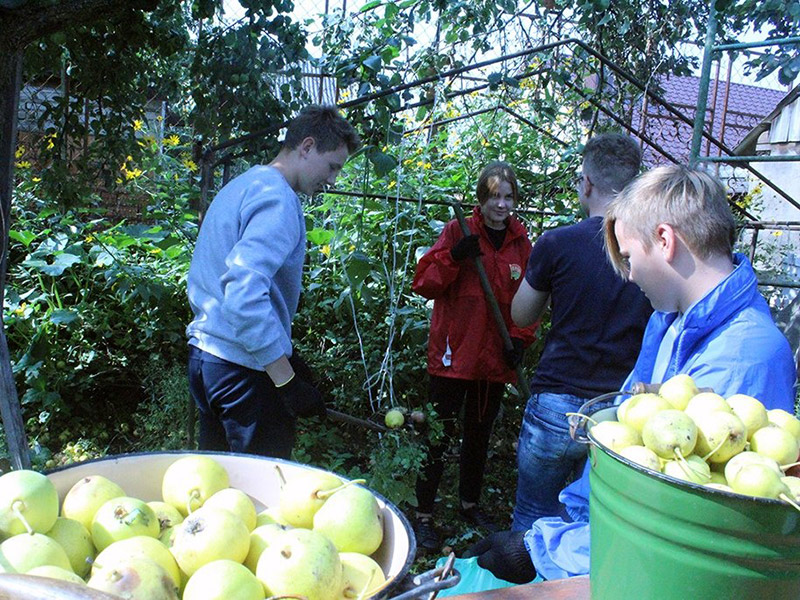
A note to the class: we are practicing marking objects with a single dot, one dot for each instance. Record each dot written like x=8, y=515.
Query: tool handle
x=522, y=382
x=640, y=387
x=335, y=415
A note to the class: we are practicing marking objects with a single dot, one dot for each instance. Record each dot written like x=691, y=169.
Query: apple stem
x=789, y=466
x=583, y=416
x=132, y=516
x=363, y=593
x=280, y=475
x=193, y=495
x=788, y=500
x=323, y=494
x=685, y=464
x=15, y=506
x=721, y=442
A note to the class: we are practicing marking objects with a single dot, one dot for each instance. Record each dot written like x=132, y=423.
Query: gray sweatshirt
x=245, y=276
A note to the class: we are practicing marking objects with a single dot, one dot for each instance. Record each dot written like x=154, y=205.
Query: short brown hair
x=611, y=161
x=693, y=202
x=490, y=177
x=323, y=123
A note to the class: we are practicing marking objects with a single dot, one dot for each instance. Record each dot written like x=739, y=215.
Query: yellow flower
x=133, y=174
x=326, y=249
x=159, y=118
x=20, y=310
x=36, y=179
x=137, y=125
x=408, y=161
x=19, y=152
x=391, y=185
x=427, y=165
x=50, y=144
x=777, y=233
x=421, y=163
x=23, y=164
x=344, y=94
x=190, y=164
x=172, y=140
x=352, y=247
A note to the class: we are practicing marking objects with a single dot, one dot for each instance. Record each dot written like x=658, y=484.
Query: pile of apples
x=204, y=540
x=732, y=444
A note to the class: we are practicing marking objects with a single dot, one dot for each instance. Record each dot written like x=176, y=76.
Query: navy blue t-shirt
x=597, y=318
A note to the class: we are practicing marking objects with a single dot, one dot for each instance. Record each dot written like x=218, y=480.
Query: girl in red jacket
x=467, y=362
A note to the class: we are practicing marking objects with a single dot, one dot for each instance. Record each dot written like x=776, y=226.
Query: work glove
x=301, y=367
x=467, y=247
x=301, y=398
x=505, y=555
x=514, y=355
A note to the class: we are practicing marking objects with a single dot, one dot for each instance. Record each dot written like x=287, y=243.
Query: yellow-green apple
x=28, y=502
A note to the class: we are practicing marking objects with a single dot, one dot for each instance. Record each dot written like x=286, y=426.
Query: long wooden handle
x=29, y=587
x=641, y=387
x=522, y=382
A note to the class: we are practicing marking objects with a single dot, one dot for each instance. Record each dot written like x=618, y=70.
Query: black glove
x=302, y=399
x=301, y=367
x=514, y=355
x=467, y=247
x=505, y=555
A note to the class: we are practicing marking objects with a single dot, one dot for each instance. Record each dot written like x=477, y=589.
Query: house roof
x=747, y=146
x=733, y=110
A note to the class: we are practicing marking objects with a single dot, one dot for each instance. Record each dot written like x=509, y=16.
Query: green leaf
x=383, y=163
x=373, y=63
x=370, y=5
x=320, y=236
x=358, y=267
x=63, y=316
x=60, y=264
x=23, y=237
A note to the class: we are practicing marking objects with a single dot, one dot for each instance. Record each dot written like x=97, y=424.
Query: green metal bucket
x=655, y=537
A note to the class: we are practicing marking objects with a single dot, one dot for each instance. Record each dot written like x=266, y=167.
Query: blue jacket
x=728, y=342
x=245, y=278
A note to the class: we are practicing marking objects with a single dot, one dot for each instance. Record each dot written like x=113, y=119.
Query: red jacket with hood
x=464, y=342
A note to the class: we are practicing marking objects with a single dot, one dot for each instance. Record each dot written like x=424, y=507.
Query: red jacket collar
x=515, y=228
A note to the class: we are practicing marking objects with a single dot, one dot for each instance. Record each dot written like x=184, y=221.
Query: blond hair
x=692, y=202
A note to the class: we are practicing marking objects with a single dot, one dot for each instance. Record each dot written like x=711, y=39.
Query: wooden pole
x=10, y=411
x=522, y=382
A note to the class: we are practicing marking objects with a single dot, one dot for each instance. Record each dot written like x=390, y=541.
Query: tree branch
x=26, y=21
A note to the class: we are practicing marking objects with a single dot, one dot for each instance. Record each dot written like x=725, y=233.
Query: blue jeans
x=239, y=409
x=546, y=457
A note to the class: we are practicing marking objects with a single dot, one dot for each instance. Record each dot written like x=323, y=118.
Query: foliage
x=95, y=310
x=224, y=78
x=90, y=302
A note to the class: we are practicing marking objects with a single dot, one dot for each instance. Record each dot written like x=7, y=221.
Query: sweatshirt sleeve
x=560, y=548
x=437, y=269
x=255, y=292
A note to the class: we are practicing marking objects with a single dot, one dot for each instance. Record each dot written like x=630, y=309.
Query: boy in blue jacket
x=672, y=233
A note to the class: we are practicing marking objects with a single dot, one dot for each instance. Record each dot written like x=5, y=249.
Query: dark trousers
x=481, y=402
x=239, y=408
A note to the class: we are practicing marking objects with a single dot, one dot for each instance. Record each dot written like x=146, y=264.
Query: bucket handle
x=577, y=421
x=431, y=582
